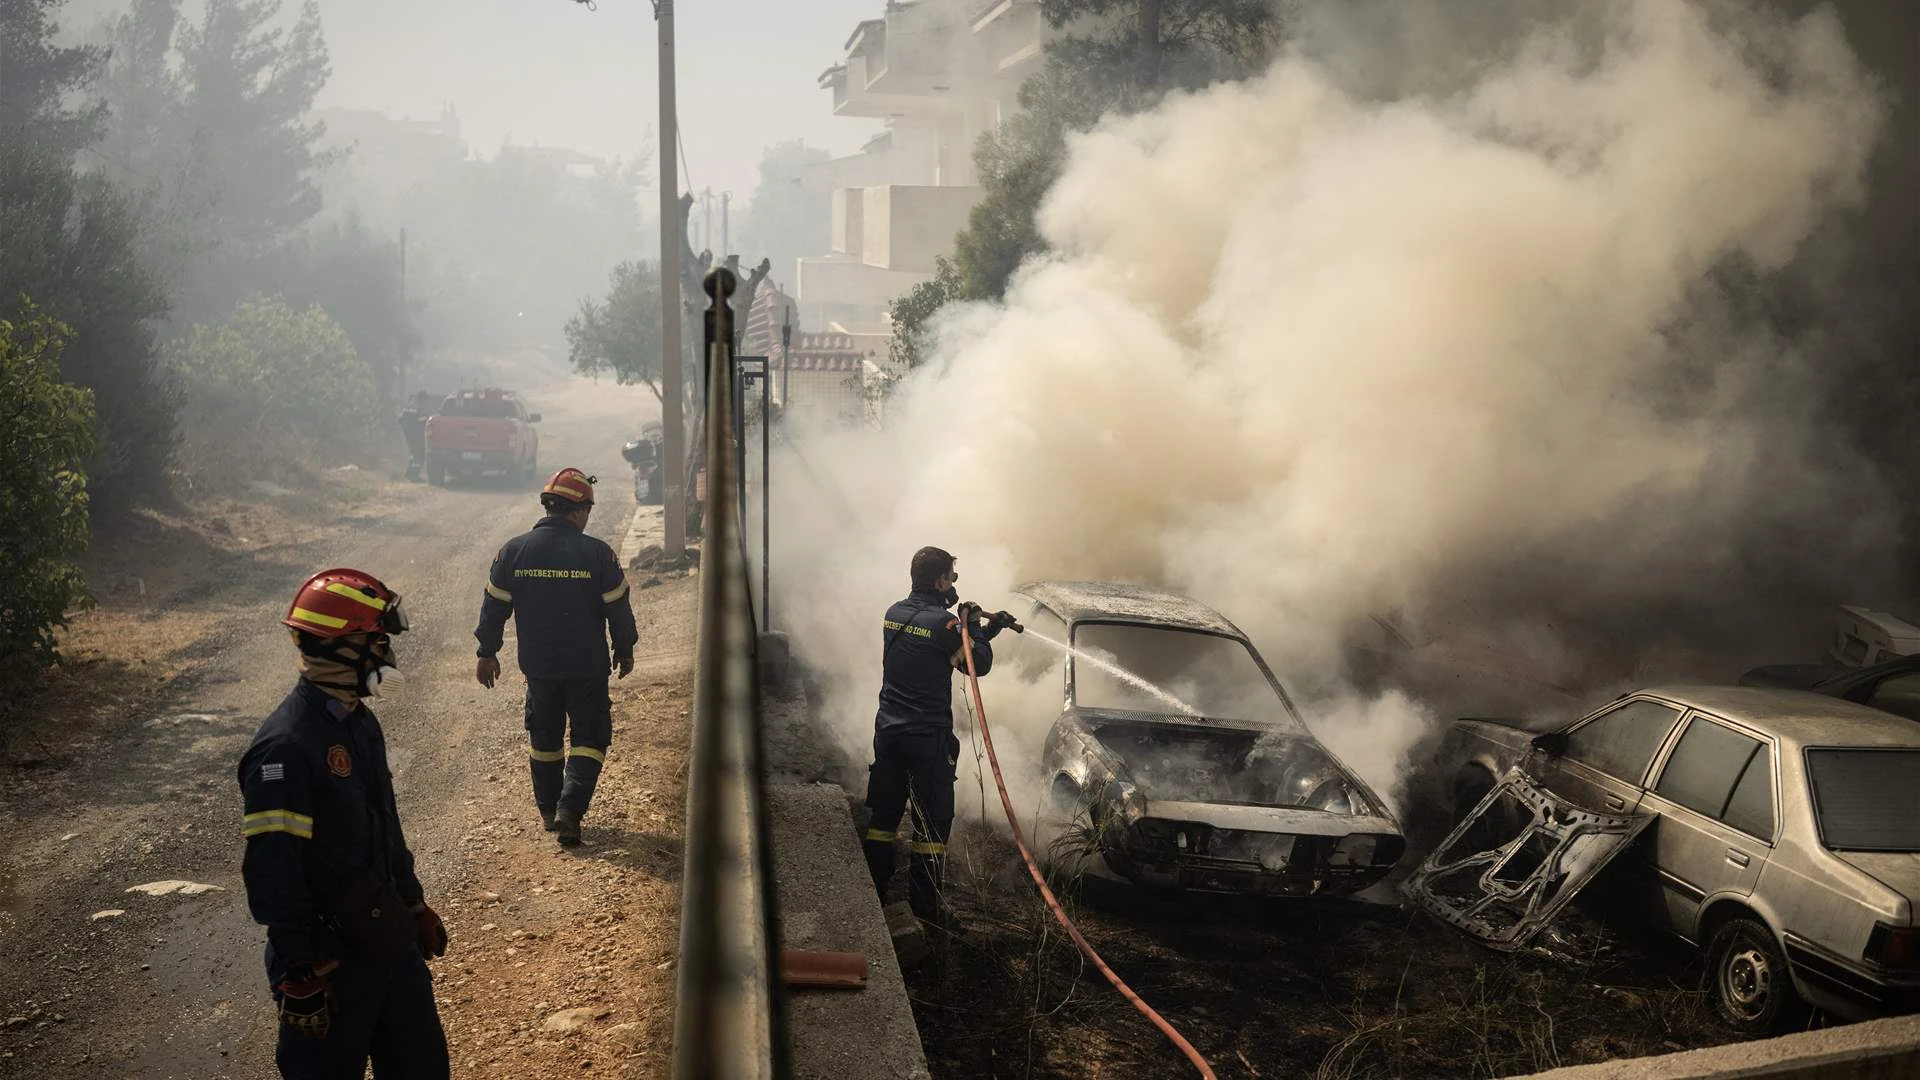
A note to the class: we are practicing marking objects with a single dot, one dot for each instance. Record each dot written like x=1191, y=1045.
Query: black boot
x=566, y=827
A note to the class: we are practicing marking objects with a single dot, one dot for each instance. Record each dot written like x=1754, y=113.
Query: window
x=1866, y=800
x=1161, y=670
x=1751, y=808
x=1899, y=695
x=1705, y=765
x=1622, y=743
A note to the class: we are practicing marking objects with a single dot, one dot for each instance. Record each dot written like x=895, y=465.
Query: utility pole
x=406, y=324
x=726, y=222
x=673, y=418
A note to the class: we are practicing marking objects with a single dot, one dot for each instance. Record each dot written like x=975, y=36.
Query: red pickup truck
x=480, y=431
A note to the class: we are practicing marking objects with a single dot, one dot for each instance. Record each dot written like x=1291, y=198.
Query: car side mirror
x=1552, y=744
x=533, y=418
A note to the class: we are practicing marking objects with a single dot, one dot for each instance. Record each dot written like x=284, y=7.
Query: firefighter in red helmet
x=327, y=867
x=568, y=597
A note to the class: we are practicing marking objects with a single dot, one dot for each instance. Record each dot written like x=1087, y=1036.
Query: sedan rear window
x=1866, y=800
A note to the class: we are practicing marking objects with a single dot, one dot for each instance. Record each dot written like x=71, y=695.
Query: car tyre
x=1747, y=977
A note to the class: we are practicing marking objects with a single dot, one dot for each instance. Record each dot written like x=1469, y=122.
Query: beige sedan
x=1786, y=839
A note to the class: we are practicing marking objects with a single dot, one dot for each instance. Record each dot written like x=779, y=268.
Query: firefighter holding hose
x=568, y=596
x=914, y=747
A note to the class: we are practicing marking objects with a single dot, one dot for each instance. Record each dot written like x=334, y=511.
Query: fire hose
x=1040, y=880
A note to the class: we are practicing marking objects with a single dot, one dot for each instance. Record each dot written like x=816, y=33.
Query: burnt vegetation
x=1328, y=989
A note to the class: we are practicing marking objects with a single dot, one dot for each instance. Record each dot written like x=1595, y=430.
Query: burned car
x=1178, y=760
x=1779, y=831
x=1893, y=686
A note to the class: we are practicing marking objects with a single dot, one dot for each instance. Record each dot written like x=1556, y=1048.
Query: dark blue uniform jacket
x=922, y=652
x=321, y=827
x=566, y=593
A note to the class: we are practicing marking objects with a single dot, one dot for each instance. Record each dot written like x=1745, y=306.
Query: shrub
x=46, y=437
x=271, y=390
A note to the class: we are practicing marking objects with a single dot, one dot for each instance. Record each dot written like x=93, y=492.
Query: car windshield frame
x=1813, y=795
x=1292, y=724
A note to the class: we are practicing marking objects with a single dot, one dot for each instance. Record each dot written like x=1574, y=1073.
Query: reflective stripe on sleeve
x=588, y=752
x=499, y=593
x=546, y=755
x=615, y=593
x=286, y=821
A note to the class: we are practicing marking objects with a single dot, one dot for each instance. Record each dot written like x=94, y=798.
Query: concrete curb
x=827, y=902
x=646, y=526
x=1876, y=1050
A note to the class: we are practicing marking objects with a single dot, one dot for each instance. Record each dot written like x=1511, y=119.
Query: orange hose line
x=1040, y=880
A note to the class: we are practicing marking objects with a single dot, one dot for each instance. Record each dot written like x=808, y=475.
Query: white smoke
x=1309, y=357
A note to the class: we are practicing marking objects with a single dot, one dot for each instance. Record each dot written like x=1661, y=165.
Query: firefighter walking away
x=327, y=867
x=567, y=596
x=914, y=747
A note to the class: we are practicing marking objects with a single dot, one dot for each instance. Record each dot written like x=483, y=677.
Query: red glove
x=432, y=933
x=306, y=1001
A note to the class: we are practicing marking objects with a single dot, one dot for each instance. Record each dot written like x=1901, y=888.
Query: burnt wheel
x=1748, y=978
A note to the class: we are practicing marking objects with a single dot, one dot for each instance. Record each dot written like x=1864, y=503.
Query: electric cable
x=1040, y=880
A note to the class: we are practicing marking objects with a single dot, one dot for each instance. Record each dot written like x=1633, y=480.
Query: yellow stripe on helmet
x=351, y=593
x=318, y=619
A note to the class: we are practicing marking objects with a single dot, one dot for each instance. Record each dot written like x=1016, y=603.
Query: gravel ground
x=117, y=771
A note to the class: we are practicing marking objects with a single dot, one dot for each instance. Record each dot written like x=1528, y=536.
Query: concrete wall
x=1876, y=1050
x=846, y=281
x=906, y=228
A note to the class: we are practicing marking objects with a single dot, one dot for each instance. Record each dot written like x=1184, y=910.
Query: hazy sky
x=553, y=73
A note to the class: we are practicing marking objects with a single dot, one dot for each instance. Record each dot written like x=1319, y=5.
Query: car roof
x=1106, y=601
x=1799, y=717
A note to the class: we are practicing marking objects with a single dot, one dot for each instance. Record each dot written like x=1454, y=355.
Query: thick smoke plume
x=1482, y=358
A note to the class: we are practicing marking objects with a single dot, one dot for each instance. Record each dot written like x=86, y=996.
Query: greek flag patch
x=273, y=770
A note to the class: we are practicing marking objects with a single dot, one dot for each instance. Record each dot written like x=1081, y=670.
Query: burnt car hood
x=1271, y=819
x=1516, y=860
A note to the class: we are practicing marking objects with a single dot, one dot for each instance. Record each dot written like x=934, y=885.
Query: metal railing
x=729, y=1018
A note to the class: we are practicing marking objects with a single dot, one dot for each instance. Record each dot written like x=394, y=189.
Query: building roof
x=1105, y=601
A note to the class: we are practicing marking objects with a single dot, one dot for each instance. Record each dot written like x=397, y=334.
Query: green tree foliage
x=786, y=219
x=248, y=90
x=621, y=334
x=271, y=387
x=72, y=243
x=39, y=80
x=502, y=248
x=1121, y=56
x=1117, y=57
x=355, y=276
x=911, y=313
x=46, y=437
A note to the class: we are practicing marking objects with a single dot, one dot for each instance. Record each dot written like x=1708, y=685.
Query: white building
x=940, y=73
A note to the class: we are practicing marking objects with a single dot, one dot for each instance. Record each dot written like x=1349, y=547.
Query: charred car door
x=1715, y=800
x=1603, y=761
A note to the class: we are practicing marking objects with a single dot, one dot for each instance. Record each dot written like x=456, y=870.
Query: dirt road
x=559, y=962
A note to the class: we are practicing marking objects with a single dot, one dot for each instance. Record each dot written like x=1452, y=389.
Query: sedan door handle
x=1738, y=858
x=1615, y=802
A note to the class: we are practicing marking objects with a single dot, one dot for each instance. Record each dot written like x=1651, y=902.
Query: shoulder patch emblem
x=273, y=770
x=338, y=763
